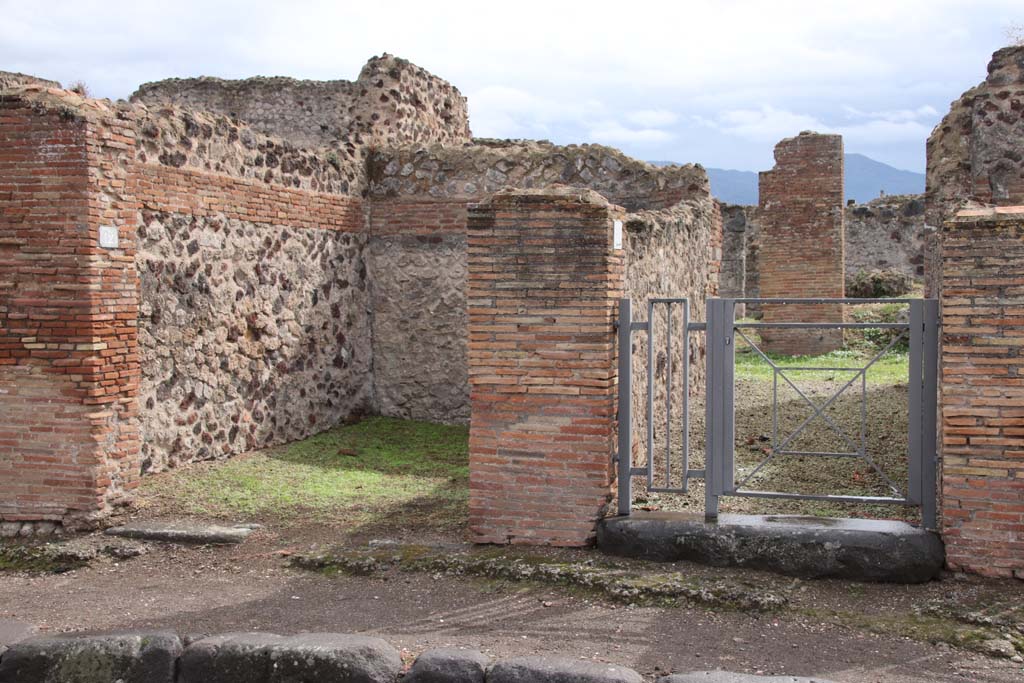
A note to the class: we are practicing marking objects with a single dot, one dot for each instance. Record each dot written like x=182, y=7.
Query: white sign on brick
x=108, y=237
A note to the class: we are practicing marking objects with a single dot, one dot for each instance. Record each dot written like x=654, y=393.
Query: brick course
x=982, y=425
x=542, y=289
x=801, y=255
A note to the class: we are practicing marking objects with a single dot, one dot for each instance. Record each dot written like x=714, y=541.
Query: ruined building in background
x=219, y=266
x=974, y=154
x=801, y=256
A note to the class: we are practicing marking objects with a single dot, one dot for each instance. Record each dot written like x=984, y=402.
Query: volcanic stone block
x=125, y=657
x=559, y=670
x=809, y=547
x=448, y=665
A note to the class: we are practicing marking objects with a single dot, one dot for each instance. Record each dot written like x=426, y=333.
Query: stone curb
x=158, y=657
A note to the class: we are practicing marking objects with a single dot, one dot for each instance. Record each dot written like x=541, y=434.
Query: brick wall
x=801, y=255
x=543, y=284
x=68, y=342
x=982, y=424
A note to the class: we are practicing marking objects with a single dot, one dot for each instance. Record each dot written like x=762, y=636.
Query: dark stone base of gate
x=808, y=547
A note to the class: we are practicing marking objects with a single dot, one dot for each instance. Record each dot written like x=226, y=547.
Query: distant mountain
x=865, y=177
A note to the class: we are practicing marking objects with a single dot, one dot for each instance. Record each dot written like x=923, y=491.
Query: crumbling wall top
x=393, y=102
x=181, y=138
x=486, y=166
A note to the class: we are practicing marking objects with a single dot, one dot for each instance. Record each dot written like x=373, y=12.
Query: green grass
x=375, y=470
x=861, y=345
x=892, y=368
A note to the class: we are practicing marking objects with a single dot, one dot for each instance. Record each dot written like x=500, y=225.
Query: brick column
x=983, y=391
x=68, y=307
x=802, y=234
x=543, y=286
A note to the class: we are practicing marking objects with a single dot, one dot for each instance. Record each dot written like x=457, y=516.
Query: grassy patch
x=37, y=560
x=414, y=472
x=892, y=368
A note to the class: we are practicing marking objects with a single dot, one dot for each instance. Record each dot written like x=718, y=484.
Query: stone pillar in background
x=982, y=386
x=801, y=209
x=543, y=286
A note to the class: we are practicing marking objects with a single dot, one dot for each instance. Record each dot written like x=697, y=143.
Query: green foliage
x=878, y=284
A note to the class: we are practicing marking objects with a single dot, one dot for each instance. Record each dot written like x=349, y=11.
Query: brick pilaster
x=543, y=286
x=802, y=241
x=68, y=309
x=982, y=384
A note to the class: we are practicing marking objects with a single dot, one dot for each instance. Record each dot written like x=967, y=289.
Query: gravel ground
x=885, y=436
x=249, y=587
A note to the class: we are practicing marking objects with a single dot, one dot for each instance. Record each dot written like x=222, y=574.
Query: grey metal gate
x=722, y=331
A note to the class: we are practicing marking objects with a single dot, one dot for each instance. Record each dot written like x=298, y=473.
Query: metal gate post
x=719, y=422
x=921, y=409
x=625, y=459
x=929, y=416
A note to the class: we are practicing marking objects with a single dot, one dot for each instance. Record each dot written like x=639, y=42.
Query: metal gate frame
x=721, y=331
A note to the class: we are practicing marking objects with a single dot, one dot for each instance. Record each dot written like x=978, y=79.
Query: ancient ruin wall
x=801, y=255
x=250, y=287
x=393, y=102
x=974, y=153
x=483, y=167
x=11, y=79
x=888, y=233
x=253, y=321
x=418, y=255
x=669, y=253
x=68, y=344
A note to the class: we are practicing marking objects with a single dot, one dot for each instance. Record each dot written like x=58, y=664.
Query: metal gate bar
x=719, y=471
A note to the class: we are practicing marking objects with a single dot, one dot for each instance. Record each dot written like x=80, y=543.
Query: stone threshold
x=807, y=547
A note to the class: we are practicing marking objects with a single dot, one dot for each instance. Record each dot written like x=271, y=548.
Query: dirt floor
x=196, y=590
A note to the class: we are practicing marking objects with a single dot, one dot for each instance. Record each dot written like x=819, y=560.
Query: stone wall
x=393, y=102
x=801, y=210
x=669, y=253
x=418, y=283
x=982, y=384
x=484, y=167
x=974, y=153
x=888, y=233
x=11, y=79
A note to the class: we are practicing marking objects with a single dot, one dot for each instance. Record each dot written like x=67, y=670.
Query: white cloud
x=649, y=73
x=652, y=118
x=613, y=132
x=770, y=124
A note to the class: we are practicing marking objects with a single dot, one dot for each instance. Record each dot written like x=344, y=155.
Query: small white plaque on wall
x=108, y=237
x=617, y=235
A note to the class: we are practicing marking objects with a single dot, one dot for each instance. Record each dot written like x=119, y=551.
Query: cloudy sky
x=715, y=82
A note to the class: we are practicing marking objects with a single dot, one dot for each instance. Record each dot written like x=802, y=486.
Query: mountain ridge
x=866, y=178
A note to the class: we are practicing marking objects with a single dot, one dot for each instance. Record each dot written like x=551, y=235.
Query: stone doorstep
x=159, y=657
x=807, y=547
x=184, y=532
x=729, y=677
